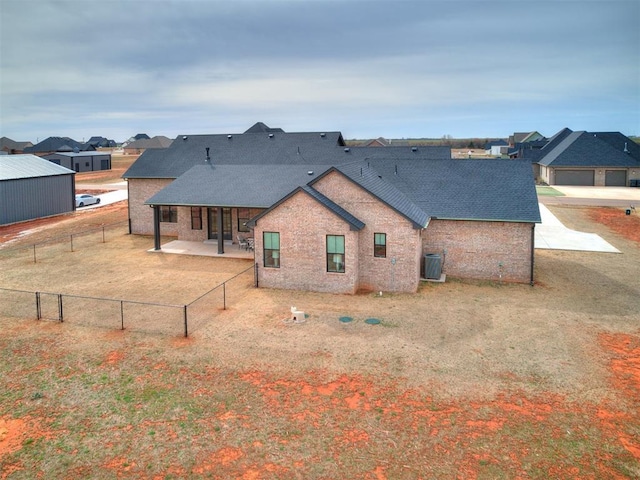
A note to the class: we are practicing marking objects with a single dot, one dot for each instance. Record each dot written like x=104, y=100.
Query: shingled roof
x=261, y=169
x=584, y=149
x=491, y=190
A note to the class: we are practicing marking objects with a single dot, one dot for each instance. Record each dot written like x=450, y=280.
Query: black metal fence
x=33, y=252
x=126, y=314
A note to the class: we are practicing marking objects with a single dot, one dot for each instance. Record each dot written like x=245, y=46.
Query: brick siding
x=141, y=215
x=303, y=225
x=481, y=250
x=400, y=270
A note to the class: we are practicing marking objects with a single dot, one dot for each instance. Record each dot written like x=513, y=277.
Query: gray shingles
x=584, y=149
x=257, y=186
x=354, y=223
x=495, y=190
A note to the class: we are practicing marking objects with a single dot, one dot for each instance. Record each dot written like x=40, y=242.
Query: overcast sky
x=397, y=69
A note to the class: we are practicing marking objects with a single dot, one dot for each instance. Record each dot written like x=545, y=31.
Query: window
x=86, y=164
x=380, y=245
x=335, y=253
x=271, y=242
x=168, y=214
x=196, y=218
x=244, y=215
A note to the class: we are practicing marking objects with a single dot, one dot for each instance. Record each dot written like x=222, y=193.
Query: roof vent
x=414, y=149
x=310, y=172
x=347, y=149
x=323, y=135
x=184, y=138
x=229, y=137
x=271, y=135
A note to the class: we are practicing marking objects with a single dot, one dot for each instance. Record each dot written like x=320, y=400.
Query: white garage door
x=575, y=177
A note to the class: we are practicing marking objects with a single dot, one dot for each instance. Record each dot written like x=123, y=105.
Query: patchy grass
x=544, y=191
x=126, y=408
x=460, y=380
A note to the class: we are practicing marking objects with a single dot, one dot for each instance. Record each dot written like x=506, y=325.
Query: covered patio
x=208, y=248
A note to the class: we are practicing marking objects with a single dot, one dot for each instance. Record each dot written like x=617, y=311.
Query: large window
x=335, y=253
x=244, y=215
x=271, y=241
x=196, y=218
x=380, y=245
x=168, y=214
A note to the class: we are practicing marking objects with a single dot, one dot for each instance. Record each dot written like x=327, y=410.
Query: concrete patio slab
x=208, y=248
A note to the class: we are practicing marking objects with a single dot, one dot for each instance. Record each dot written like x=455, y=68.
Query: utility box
x=432, y=266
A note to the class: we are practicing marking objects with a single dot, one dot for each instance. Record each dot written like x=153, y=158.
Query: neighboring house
x=589, y=158
x=383, y=142
x=101, y=142
x=138, y=146
x=81, y=161
x=31, y=187
x=12, y=147
x=524, y=137
x=57, y=144
x=326, y=217
x=496, y=148
x=139, y=136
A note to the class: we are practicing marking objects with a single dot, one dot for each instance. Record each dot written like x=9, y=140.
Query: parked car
x=86, y=199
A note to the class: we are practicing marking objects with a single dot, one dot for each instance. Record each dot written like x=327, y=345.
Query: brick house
x=602, y=159
x=329, y=218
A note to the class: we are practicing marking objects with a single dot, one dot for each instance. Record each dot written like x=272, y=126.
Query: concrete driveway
x=551, y=234
x=118, y=192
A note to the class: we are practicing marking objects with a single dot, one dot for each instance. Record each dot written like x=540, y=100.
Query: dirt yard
x=461, y=380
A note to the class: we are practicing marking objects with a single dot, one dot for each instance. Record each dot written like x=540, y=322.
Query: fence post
x=186, y=330
x=38, y=307
x=34, y=253
x=121, y=315
x=60, y=314
x=224, y=295
x=72, y=242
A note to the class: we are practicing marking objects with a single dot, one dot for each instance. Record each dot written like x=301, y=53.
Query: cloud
x=343, y=64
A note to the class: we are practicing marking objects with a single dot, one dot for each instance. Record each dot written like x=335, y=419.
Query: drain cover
x=372, y=321
x=345, y=319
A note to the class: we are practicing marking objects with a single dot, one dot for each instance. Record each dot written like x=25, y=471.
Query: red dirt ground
x=617, y=220
x=461, y=426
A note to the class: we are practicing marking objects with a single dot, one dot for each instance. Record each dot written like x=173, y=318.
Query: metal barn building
x=32, y=187
x=81, y=161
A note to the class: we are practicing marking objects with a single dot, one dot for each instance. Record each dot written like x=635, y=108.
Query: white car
x=86, y=199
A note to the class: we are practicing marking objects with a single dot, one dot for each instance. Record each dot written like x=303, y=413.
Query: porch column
x=220, y=232
x=156, y=227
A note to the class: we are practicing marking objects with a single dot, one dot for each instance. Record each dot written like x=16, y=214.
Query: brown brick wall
x=303, y=225
x=481, y=250
x=184, y=225
x=141, y=215
x=403, y=240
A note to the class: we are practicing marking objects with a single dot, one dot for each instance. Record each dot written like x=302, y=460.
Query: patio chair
x=250, y=244
x=242, y=242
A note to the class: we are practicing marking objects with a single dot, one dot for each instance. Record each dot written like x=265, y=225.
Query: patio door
x=213, y=224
